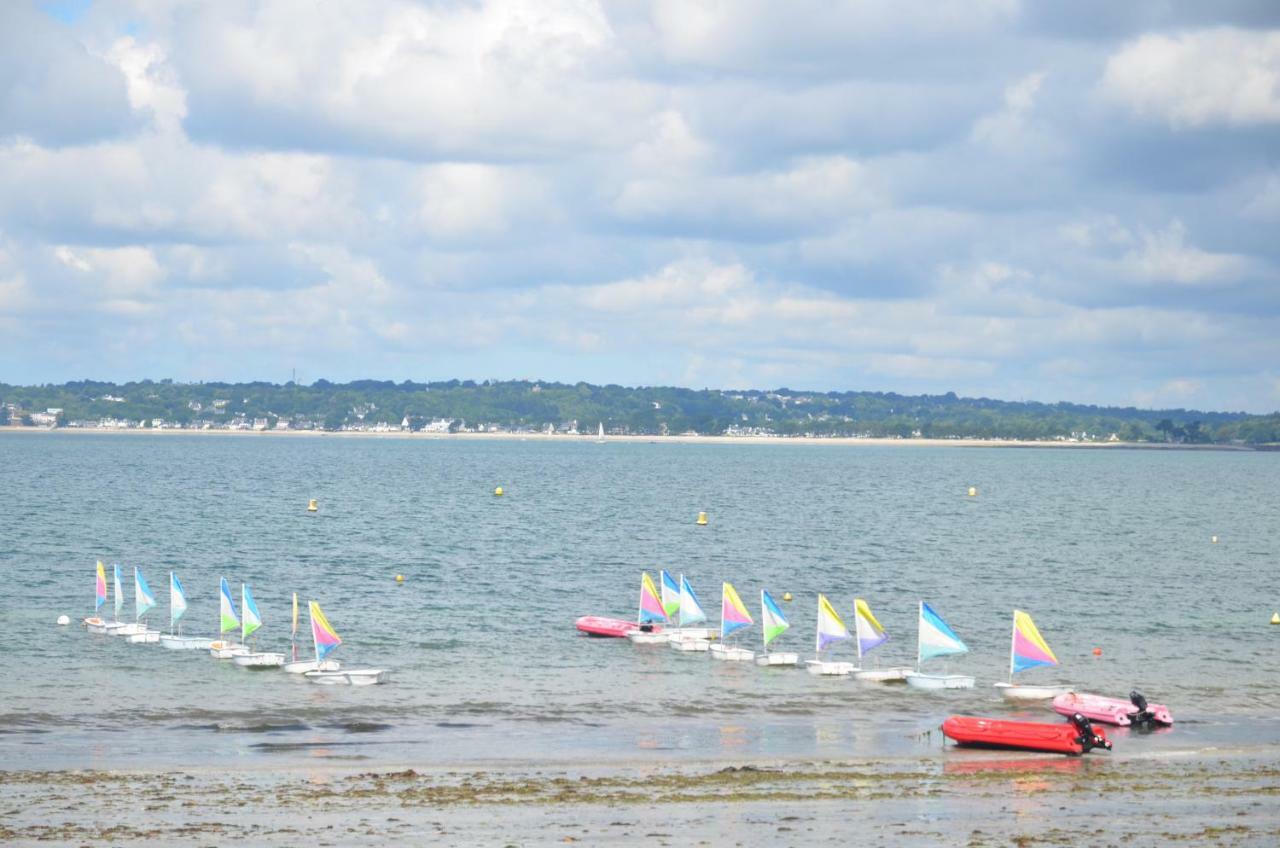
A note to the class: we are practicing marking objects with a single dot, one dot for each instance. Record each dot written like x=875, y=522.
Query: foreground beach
x=972, y=798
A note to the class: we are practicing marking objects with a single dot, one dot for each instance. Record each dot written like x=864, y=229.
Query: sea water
x=1107, y=549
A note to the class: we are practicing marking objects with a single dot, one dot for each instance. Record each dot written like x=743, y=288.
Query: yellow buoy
x=786, y=596
x=399, y=578
x=497, y=493
x=312, y=506
x=1275, y=618
x=702, y=519
x=973, y=491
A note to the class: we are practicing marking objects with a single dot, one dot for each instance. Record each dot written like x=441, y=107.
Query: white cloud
x=1164, y=257
x=1201, y=78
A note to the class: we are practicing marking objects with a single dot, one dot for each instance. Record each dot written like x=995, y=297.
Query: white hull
x=648, y=637
x=830, y=669
x=95, y=625
x=777, y=658
x=265, y=659
x=143, y=637
x=730, y=653
x=1013, y=692
x=183, y=643
x=882, y=675
x=353, y=677
x=220, y=650
x=679, y=634
x=120, y=629
x=691, y=645
x=303, y=666
x=939, y=681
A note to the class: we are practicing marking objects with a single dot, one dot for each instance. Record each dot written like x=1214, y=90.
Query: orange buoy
x=1097, y=652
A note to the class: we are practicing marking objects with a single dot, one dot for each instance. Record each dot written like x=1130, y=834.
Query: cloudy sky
x=1048, y=200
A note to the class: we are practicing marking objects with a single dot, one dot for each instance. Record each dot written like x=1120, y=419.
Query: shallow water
x=1106, y=549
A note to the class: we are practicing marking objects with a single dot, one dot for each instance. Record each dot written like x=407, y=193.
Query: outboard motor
x=1143, y=718
x=1089, y=738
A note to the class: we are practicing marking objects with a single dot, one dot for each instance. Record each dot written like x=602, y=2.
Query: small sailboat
x=1028, y=650
x=600, y=434
x=871, y=636
x=174, y=640
x=94, y=623
x=116, y=627
x=224, y=648
x=686, y=638
x=144, y=600
x=297, y=666
x=327, y=639
x=670, y=594
x=830, y=630
x=250, y=621
x=937, y=639
x=733, y=617
x=651, y=614
x=772, y=625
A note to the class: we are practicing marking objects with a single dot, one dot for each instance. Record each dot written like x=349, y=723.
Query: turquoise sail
x=143, y=599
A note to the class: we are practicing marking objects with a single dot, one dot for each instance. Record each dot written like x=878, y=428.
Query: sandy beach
x=972, y=798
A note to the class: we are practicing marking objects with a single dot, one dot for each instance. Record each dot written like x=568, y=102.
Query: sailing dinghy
x=327, y=639
x=871, y=636
x=174, y=640
x=772, y=625
x=116, y=627
x=686, y=638
x=936, y=639
x=143, y=602
x=830, y=630
x=94, y=623
x=297, y=666
x=650, y=616
x=223, y=648
x=733, y=617
x=250, y=621
x=1028, y=650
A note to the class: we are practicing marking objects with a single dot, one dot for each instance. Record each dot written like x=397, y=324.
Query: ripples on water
x=1109, y=549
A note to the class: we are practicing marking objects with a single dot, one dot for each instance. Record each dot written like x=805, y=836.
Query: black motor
x=1143, y=718
x=1088, y=739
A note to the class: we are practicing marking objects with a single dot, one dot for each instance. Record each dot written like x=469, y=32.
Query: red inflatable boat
x=1074, y=737
x=595, y=625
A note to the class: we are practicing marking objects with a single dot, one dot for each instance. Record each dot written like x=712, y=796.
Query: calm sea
x=1106, y=549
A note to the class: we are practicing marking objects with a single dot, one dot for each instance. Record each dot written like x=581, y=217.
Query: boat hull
x=778, y=658
x=678, y=633
x=221, y=650
x=647, y=637
x=351, y=677
x=1015, y=692
x=1115, y=711
x=125, y=629
x=94, y=624
x=729, y=653
x=935, y=682
x=260, y=660
x=1023, y=735
x=595, y=625
x=690, y=645
x=882, y=675
x=303, y=666
x=143, y=637
x=820, y=668
x=184, y=643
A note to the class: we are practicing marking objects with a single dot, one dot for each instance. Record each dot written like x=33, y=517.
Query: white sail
x=690, y=610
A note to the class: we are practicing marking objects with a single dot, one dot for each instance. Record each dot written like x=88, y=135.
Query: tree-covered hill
x=655, y=410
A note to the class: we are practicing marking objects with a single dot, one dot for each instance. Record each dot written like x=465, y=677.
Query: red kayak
x=1074, y=737
x=595, y=625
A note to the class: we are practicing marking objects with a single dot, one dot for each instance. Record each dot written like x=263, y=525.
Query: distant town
x=582, y=409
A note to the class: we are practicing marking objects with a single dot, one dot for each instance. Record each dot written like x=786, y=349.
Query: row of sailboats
x=673, y=602
x=248, y=620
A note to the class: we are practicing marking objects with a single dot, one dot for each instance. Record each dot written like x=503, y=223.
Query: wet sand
x=971, y=798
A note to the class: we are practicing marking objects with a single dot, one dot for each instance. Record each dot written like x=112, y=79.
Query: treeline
x=524, y=405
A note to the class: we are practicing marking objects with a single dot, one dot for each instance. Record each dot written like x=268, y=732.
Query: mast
x=724, y=594
x=764, y=627
x=244, y=615
x=293, y=635
x=857, y=630
x=920, y=637
x=315, y=640
x=1013, y=641
x=817, y=635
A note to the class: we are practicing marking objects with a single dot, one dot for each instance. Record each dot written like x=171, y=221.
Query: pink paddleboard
x=595, y=625
x=1116, y=711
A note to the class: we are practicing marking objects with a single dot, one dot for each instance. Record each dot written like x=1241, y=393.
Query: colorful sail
x=690, y=610
x=119, y=590
x=670, y=593
x=322, y=633
x=229, y=619
x=772, y=621
x=100, y=588
x=252, y=619
x=830, y=627
x=733, y=612
x=177, y=599
x=870, y=633
x=143, y=599
x=936, y=638
x=1029, y=647
x=651, y=610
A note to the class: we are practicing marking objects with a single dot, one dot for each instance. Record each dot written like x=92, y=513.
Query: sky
x=1028, y=201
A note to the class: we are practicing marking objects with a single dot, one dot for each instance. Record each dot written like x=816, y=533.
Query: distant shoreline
x=677, y=439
